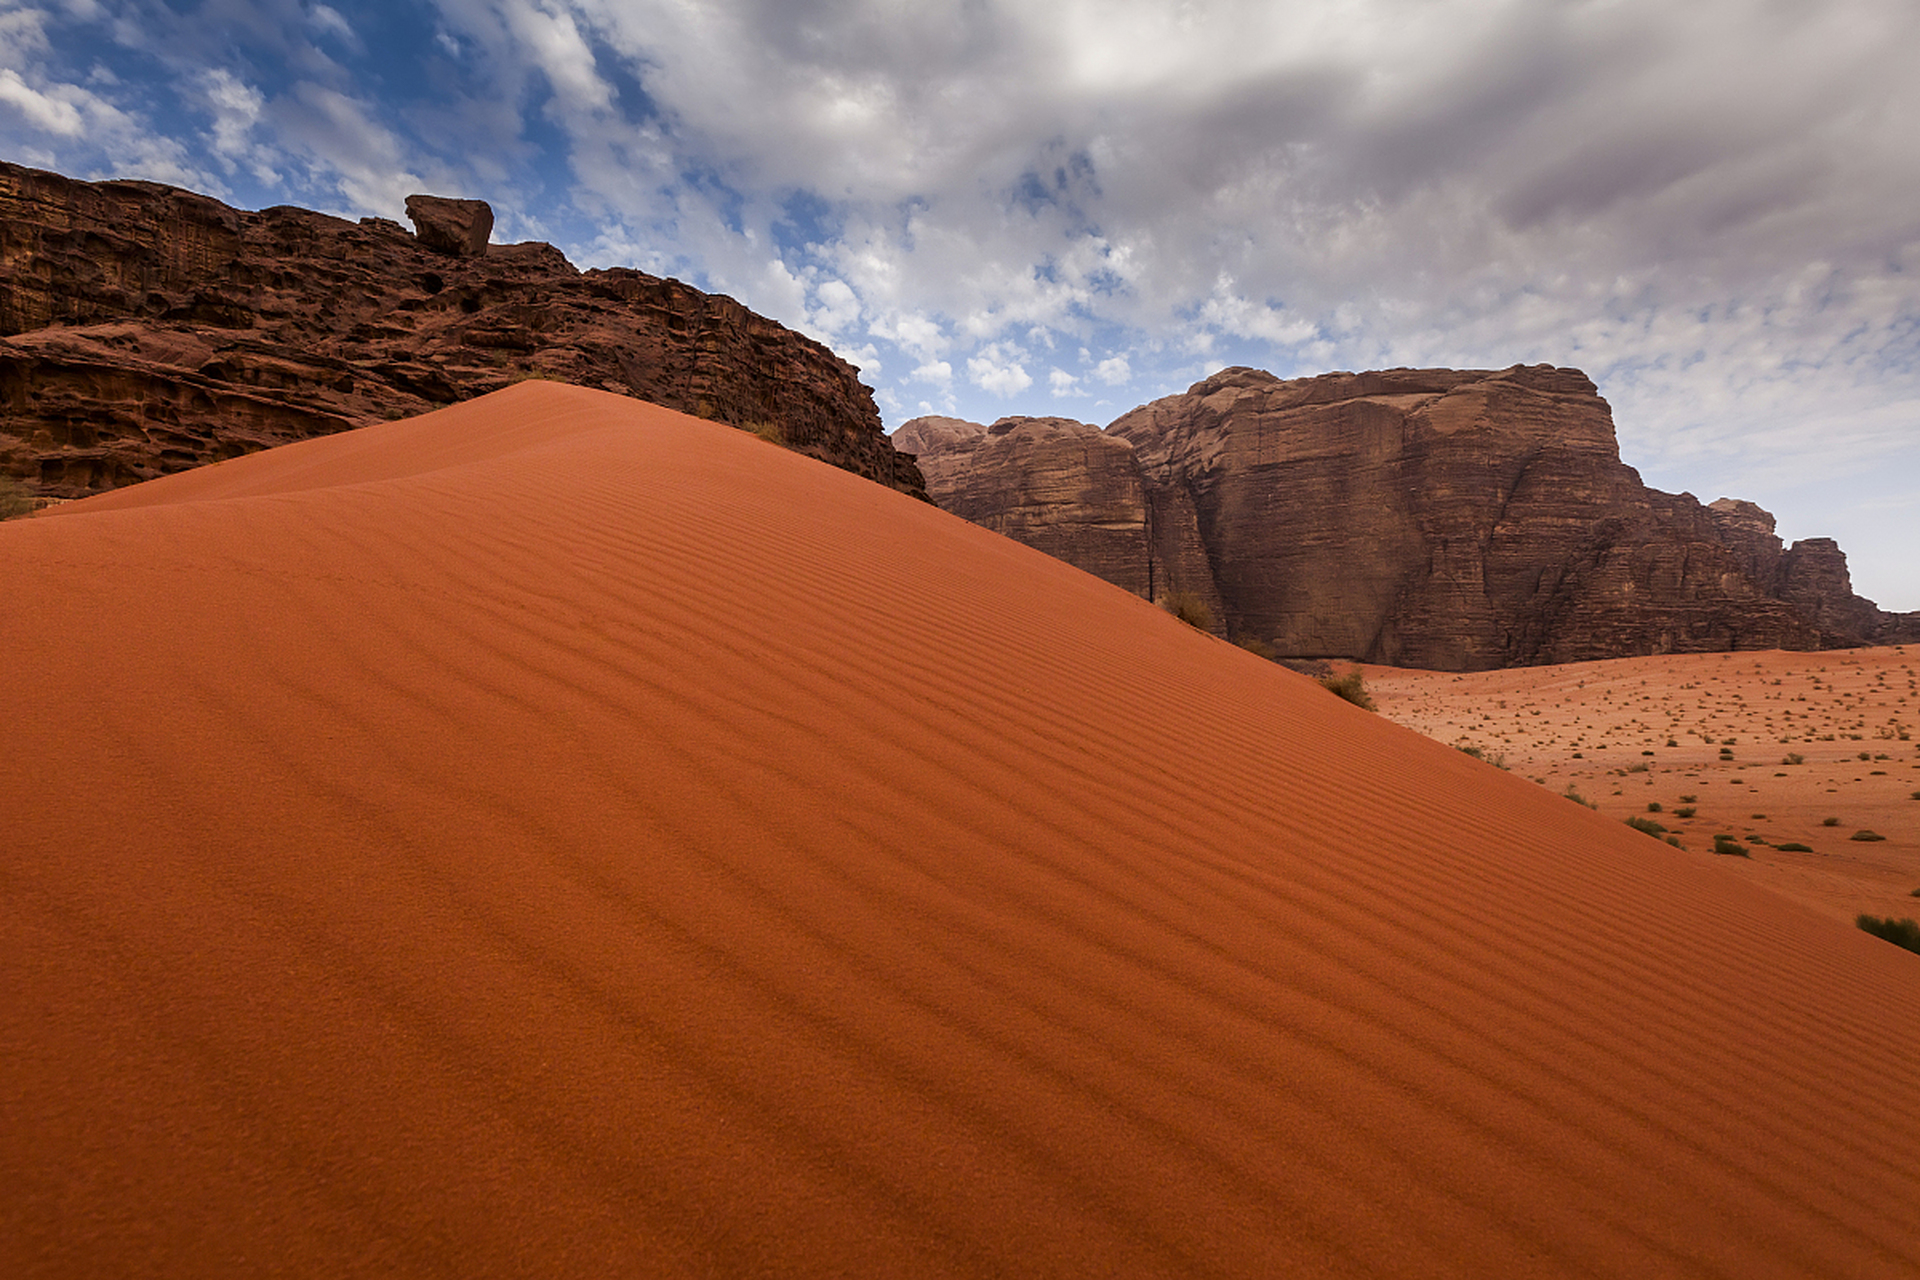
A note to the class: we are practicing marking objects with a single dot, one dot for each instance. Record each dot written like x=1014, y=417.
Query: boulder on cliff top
x=457, y=227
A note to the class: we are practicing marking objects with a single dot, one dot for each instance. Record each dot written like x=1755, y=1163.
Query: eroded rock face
x=145, y=329
x=457, y=227
x=1450, y=519
x=1069, y=489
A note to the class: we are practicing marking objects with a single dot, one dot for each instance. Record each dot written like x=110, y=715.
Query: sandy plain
x=555, y=836
x=1771, y=749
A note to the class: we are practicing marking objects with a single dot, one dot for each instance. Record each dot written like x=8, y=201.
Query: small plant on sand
x=1653, y=806
x=15, y=498
x=1688, y=799
x=1574, y=795
x=1728, y=847
x=1685, y=811
x=1866, y=837
x=1793, y=757
x=1794, y=846
x=1189, y=608
x=1901, y=933
x=1258, y=648
x=1829, y=822
x=771, y=432
x=1647, y=825
x=1351, y=687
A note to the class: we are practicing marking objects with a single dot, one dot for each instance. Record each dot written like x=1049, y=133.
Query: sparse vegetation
x=1794, y=757
x=1574, y=795
x=1258, y=648
x=1189, y=608
x=1728, y=847
x=1351, y=687
x=1866, y=837
x=1653, y=806
x=1498, y=761
x=1901, y=933
x=15, y=498
x=1688, y=799
x=1794, y=846
x=1829, y=822
x=1685, y=811
x=1647, y=825
x=771, y=432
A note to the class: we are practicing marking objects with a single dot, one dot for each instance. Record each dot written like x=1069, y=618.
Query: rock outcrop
x=1449, y=519
x=145, y=329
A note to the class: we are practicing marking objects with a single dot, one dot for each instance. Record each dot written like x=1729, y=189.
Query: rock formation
x=1449, y=519
x=145, y=329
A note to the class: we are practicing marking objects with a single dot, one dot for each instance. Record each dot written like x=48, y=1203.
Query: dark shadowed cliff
x=145, y=329
x=1452, y=519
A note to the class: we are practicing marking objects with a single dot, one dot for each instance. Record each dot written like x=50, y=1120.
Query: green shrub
x=1901, y=933
x=1794, y=846
x=1685, y=811
x=1647, y=825
x=1351, y=687
x=1573, y=795
x=1189, y=608
x=1653, y=806
x=1866, y=837
x=1727, y=846
x=15, y=498
x=1829, y=822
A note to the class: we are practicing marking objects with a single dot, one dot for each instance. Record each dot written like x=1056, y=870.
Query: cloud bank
x=1713, y=208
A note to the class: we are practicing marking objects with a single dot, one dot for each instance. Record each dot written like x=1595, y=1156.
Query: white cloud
x=997, y=370
x=938, y=372
x=1062, y=383
x=1113, y=371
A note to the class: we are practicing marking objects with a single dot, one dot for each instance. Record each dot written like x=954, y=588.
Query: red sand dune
x=559, y=837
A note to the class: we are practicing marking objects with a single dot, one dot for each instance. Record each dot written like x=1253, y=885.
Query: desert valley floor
x=557, y=836
x=1773, y=749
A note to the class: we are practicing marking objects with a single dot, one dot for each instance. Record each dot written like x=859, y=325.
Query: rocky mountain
x=1449, y=519
x=145, y=329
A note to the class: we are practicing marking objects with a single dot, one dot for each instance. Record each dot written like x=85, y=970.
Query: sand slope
x=559, y=837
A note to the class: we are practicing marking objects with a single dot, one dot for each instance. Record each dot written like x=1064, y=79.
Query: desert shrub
x=1351, y=687
x=1572, y=794
x=1653, y=806
x=1901, y=933
x=1673, y=742
x=1675, y=842
x=1916, y=795
x=1866, y=755
x=1634, y=768
x=15, y=498
x=1646, y=753
x=1728, y=847
x=1726, y=753
x=1189, y=608
x=1685, y=811
x=771, y=432
x=1258, y=648
x=1688, y=799
x=1829, y=822
x=1794, y=757
x=1647, y=825
x=1866, y=837
x=1794, y=846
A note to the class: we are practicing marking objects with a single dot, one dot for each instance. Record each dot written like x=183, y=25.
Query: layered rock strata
x=1449, y=519
x=145, y=329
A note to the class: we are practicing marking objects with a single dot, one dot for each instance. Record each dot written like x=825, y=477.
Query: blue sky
x=1000, y=207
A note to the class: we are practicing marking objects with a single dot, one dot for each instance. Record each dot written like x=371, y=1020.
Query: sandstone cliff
x=146, y=329
x=1451, y=519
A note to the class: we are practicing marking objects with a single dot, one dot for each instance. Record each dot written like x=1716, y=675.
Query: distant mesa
x=1441, y=518
x=146, y=330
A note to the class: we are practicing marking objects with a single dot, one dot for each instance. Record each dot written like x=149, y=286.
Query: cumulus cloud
x=998, y=371
x=1714, y=207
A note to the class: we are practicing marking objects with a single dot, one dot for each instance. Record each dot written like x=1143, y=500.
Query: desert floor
x=555, y=836
x=1772, y=749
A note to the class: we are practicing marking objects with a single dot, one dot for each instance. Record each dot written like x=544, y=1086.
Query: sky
x=1002, y=207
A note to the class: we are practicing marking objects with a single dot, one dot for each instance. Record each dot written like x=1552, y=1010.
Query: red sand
x=559, y=837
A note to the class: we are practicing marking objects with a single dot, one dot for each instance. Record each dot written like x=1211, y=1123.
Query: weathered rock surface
x=1450, y=519
x=145, y=329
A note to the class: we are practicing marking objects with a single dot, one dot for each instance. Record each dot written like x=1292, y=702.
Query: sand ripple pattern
x=555, y=836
